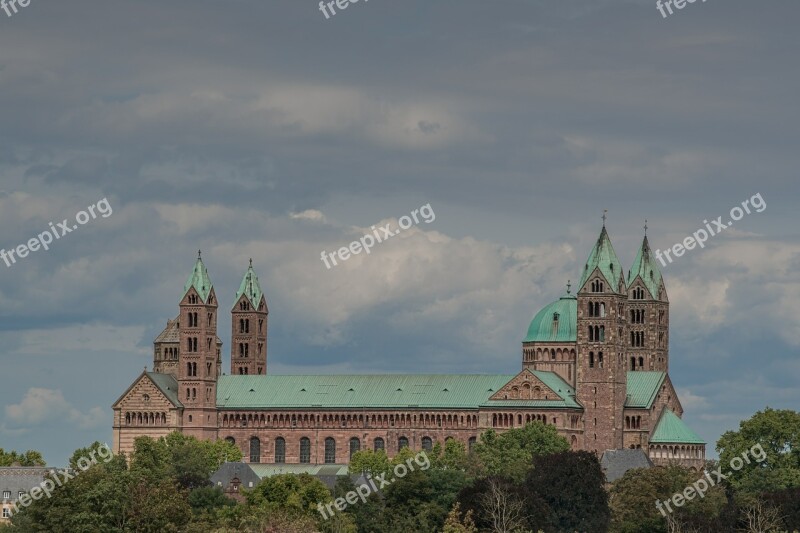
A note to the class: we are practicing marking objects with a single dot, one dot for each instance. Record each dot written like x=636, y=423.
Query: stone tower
x=166, y=349
x=601, y=333
x=249, y=327
x=198, y=362
x=648, y=314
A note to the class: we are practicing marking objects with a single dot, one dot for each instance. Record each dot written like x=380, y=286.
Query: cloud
x=310, y=214
x=40, y=406
x=691, y=401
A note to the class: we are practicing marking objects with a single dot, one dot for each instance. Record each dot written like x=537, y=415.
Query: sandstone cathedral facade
x=595, y=364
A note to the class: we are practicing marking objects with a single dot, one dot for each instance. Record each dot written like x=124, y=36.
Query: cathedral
x=595, y=364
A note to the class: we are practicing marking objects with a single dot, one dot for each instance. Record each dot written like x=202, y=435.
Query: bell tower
x=249, y=327
x=198, y=355
x=601, y=332
x=648, y=314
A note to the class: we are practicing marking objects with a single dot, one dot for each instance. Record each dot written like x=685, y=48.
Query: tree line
x=523, y=480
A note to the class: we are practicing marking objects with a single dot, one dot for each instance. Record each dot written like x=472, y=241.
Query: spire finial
x=251, y=262
x=198, y=254
x=645, y=227
x=604, y=217
x=569, y=285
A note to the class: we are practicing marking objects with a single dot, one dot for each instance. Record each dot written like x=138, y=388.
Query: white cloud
x=40, y=406
x=310, y=214
x=691, y=401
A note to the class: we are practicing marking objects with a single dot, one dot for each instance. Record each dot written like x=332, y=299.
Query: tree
x=295, y=494
x=633, y=500
x=777, y=434
x=369, y=462
x=28, y=458
x=504, y=508
x=455, y=523
x=509, y=454
x=186, y=459
x=762, y=518
x=788, y=501
x=571, y=484
x=453, y=455
x=95, y=452
x=208, y=499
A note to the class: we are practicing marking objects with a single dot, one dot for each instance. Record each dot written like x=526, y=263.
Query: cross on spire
x=604, y=217
x=569, y=285
x=198, y=254
x=251, y=262
x=645, y=227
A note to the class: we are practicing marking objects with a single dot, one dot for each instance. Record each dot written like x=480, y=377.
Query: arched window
x=255, y=450
x=641, y=362
x=280, y=450
x=330, y=450
x=402, y=442
x=379, y=444
x=427, y=444
x=355, y=445
x=305, y=450
x=591, y=359
x=231, y=440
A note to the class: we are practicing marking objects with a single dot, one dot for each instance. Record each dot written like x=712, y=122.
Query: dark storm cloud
x=208, y=125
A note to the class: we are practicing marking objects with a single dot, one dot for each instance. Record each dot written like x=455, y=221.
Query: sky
x=261, y=129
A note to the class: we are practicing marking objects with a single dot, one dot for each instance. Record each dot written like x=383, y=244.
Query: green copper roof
x=167, y=384
x=671, y=429
x=642, y=388
x=250, y=287
x=645, y=267
x=388, y=391
x=199, y=280
x=603, y=257
x=541, y=328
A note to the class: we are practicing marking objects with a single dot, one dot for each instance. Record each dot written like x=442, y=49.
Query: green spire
x=604, y=258
x=250, y=287
x=199, y=280
x=645, y=267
